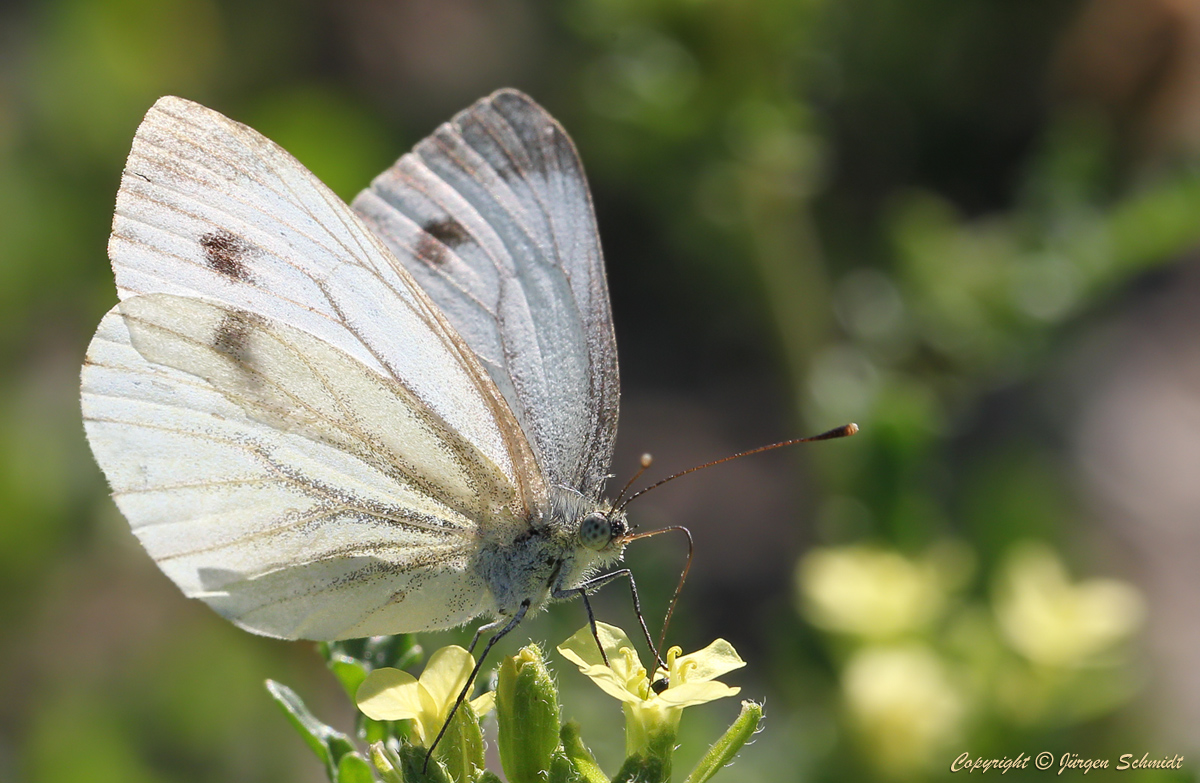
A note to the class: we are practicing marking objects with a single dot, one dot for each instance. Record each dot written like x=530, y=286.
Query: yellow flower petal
x=389, y=694
x=610, y=683
x=690, y=694
x=484, y=703
x=581, y=648
x=445, y=676
x=651, y=720
x=714, y=660
x=624, y=678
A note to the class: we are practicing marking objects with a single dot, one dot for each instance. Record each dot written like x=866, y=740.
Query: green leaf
x=375, y=652
x=328, y=743
x=489, y=777
x=381, y=730
x=398, y=652
x=350, y=672
x=581, y=758
x=724, y=749
x=353, y=768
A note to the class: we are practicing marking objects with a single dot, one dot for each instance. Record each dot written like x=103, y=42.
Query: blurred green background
x=968, y=225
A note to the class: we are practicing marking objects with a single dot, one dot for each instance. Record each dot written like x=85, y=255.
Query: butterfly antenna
x=844, y=431
x=687, y=566
x=647, y=460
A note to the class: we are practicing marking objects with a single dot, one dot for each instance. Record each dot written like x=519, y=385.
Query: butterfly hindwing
x=241, y=486
x=492, y=216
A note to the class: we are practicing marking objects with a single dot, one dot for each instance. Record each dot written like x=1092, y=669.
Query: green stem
x=580, y=756
x=724, y=749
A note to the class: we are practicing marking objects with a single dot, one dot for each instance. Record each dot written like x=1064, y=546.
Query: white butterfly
x=330, y=422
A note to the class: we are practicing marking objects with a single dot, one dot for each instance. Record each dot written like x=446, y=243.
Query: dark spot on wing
x=437, y=236
x=232, y=336
x=448, y=231
x=430, y=250
x=226, y=254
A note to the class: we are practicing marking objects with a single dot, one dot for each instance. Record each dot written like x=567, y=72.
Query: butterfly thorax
x=578, y=536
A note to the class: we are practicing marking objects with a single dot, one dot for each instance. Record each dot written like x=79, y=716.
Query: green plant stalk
x=644, y=769
x=649, y=743
x=581, y=758
x=562, y=770
x=723, y=750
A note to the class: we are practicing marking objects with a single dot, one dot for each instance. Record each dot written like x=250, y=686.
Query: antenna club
x=844, y=431
x=645, y=463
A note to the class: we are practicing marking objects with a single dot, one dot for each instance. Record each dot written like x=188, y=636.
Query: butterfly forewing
x=492, y=216
x=210, y=208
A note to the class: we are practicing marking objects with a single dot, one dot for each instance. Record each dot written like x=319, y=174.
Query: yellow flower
x=903, y=702
x=392, y=694
x=877, y=593
x=1054, y=622
x=650, y=717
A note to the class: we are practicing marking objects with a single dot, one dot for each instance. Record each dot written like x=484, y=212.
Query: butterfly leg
x=598, y=582
x=592, y=623
x=481, y=630
x=513, y=623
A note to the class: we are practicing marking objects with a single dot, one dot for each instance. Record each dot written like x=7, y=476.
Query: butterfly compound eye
x=594, y=531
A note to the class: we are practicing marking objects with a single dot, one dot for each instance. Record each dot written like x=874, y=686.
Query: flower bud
x=387, y=763
x=528, y=715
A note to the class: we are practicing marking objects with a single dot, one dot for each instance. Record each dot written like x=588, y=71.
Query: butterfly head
x=599, y=529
